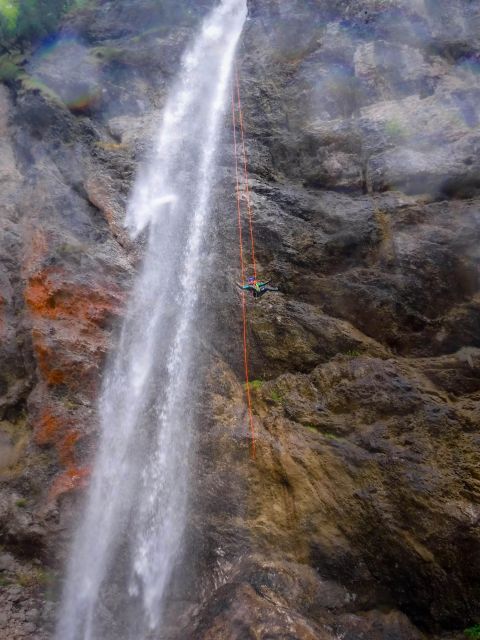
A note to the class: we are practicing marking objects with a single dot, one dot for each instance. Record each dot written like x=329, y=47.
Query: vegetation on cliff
x=23, y=22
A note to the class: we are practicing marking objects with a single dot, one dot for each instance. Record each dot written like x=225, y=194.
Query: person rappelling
x=257, y=287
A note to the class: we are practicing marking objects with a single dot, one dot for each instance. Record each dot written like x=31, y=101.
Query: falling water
x=130, y=538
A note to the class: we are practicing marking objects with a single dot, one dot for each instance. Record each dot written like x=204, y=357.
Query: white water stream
x=131, y=533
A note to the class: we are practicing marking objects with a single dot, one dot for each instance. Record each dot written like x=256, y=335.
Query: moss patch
x=33, y=84
x=111, y=146
x=254, y=385
x=395, y=130
x=9, y=71
x=473, y=632
x=310, y=427
x=326, y=434
x=277, y=397
x=330, y=436
x=352, y=353
x=5, y=581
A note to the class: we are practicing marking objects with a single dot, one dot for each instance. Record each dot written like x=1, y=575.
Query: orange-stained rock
x=72, y=479
x=70, y=332
x=69, y=327
x=48, y=429
x=66, y=447
x=52, y=375
x=55, y=300
x=60, y=431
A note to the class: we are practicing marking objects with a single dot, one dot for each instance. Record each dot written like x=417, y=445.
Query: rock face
x=359, y=517
x=362, y=122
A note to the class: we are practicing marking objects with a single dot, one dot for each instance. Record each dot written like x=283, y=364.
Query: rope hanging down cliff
x=240, y=240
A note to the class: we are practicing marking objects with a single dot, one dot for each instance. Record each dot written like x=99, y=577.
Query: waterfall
x=130, y=536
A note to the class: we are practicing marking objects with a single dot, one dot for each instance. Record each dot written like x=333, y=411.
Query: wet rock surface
x=359, y=516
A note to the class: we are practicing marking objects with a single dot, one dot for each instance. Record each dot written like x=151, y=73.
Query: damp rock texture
x=358, y=517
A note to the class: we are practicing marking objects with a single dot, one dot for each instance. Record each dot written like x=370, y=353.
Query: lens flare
x=67, y=67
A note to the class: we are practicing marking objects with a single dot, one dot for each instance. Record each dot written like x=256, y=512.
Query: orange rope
x=245, y=175
x=244, y=305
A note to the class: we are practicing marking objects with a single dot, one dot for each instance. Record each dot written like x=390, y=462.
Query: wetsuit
x=258, y=288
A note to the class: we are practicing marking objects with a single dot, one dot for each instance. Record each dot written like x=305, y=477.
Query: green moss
x=254, y=385
x=21, y=502
x=160, y=31
x=277, y=397
x=395, y=130
x=44, y=577
x=71, y=248
x=352, y=353
x=26, y=579
x=70, y=404
x=79, y=5
x=28, y=21
x=330, y=436
x=34, y=578
x=33, y=84
x=473, y=632
x=111, y=146
x=8, y=69
x=326, y=434
x=9, y=12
